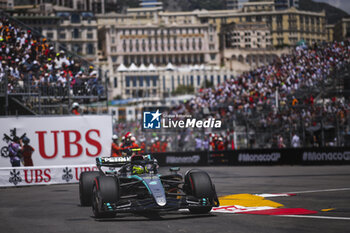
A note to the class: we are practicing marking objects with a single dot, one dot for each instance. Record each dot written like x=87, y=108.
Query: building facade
x=158, y=40
x=330, y=32
x=232, y=4
x=159, y=82
x=95, y=6
x=237, y=40
x=281, y=4
x=342, y=30
x=245, y=35
x=6, y=4
x=287, y=26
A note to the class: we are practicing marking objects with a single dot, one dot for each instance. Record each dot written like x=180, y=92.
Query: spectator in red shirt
x=27, y=152
x=75, y=109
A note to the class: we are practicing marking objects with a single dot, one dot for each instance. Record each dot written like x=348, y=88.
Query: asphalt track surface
x=53, y=209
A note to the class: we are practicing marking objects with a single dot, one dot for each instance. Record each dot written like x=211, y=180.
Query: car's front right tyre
x=105, y=193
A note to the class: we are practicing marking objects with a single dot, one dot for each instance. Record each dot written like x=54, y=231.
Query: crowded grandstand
x=300, y=95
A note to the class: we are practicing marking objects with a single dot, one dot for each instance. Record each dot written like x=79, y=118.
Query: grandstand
x=304, y=93
x=38, y=80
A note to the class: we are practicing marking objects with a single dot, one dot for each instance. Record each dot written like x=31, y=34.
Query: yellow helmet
x=138, y=169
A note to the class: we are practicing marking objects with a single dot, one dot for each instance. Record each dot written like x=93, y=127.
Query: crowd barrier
x=290, y=156
x=22, y=176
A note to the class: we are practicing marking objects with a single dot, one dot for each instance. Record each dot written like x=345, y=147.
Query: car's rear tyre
x=86, y=181
x=106, y=189
x=199, y=185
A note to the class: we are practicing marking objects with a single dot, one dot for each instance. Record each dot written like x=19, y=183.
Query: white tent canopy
x=151, y=67
x=133, y=67
x=122, y=68
x=170, y=66
x=142, y=67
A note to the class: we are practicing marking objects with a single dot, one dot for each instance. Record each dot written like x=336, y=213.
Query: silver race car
x=132, y=184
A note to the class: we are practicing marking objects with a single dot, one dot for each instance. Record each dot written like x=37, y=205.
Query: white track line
x=322, y=190
x=316, y=217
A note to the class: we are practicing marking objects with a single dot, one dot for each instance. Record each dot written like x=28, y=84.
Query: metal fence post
x=6, y=95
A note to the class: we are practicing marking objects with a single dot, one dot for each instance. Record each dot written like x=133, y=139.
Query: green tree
x=207, y=84
x=182, y=89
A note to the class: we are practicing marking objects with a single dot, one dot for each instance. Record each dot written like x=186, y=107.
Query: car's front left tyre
x=199, y=185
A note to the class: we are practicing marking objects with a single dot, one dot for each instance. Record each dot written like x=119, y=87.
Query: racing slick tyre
x=105, y=190
x=199, y=185
x=86, y=181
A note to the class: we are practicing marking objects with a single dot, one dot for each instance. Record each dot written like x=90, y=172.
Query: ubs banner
x=64, y=140
x=21, y=176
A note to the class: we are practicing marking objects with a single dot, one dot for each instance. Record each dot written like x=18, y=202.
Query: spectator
x=75, y=109
x=27, y=152
x=115, y=150
x=199, y=143
x=15, y=152
x=295, y=140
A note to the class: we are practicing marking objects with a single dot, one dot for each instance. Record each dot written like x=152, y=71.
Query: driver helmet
x=138, y=169
x=115, y=137
x=133, y=139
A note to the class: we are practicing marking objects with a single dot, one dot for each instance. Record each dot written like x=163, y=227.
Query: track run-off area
x=253, y=199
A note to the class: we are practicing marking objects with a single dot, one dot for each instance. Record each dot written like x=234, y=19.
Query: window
x=130, y=45
x=76, y=48
x=172, y=83
x=62, y=34
x=143, y=45
x=154, y=80
x=75, y=18
x=137, y=45
x=141, y=81
x=76, y=33
x=115, y=82
x=124, y=45
x=175, y=44
x=127, y=82
x=198, y=80
x=49, y=35
x=91, y=36
x=90, y=49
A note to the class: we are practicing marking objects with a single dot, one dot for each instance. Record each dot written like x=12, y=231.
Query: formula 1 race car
x=137, y=186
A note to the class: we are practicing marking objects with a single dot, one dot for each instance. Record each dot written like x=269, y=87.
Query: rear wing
x=112, y=161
